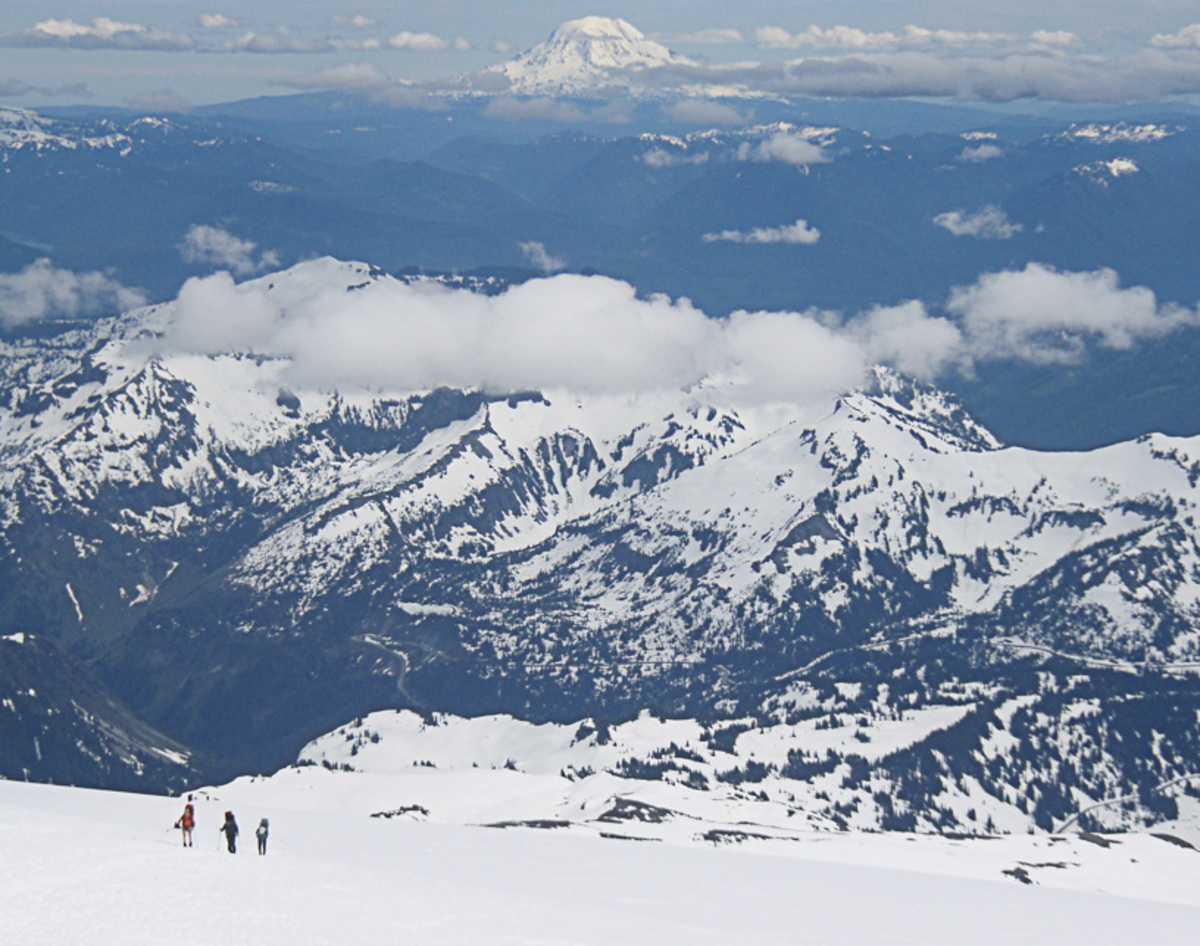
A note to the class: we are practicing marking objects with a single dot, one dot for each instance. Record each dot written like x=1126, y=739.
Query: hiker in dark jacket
x=264, y=828
x=231, y=831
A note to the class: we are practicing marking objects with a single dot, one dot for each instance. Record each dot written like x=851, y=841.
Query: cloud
x=704, y=112
x=284, y=41
x=502, y=46
x=213, y=314
x=783, y=147
x=595, y=334
x=1058, y=38
x=217, y=21
x=417, y=42
x=1186, y=38
x=586, y=334
x=977, y=154
x=1021, y=71
x=908, y=338
x=357, y=21
x=41, y=290
x=101, y=33
x=708, y=37
x=510, y=108
x=659, y=158
x=537, y=254
x=851, y=37
x=218, y=248
x=800, y=232
x=1040, y=314
x=990, y=223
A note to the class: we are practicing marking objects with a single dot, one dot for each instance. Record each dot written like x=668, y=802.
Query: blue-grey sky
x=53, y=51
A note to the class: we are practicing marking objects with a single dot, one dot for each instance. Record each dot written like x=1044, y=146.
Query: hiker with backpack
x=230, y=829
x=264, y=828
x=186, y=822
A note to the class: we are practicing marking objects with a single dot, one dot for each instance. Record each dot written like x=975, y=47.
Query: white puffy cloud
x=358, y=21
x=417, y=42
x=783, y=147
x=801, y=232
x=1186, y=38
x=1043, y=315
x=589, y=334
x=41, y=290
x=659, y=158
x=1054, y=38
x=704, y=112
x=595, y=334
x=217, y=21
x=539, y=256
x=101, y=33
x=908, y=338
x=286, y=42
x=213, y=246
x=502, y=46
x=989, y=223
x=977, y=154
x=214, y=314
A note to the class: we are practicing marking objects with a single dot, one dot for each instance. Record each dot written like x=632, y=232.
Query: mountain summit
x=585, y=55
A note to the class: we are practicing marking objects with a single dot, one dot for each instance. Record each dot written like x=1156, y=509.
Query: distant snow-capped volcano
x=585, y=55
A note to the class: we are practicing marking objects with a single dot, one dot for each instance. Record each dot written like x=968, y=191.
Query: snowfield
x=96, y=867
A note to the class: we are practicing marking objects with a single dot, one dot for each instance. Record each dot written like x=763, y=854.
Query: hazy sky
x=452, y=36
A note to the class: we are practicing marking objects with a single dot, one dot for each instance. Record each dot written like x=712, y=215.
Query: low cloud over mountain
x=595, y=334
x=42, y=290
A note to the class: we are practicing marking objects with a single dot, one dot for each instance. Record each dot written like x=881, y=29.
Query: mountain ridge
x=247, y=561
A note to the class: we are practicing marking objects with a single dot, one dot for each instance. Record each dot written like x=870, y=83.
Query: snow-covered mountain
x=827, y=757
x=585, y=56
x=24, y=132
x=248, y=562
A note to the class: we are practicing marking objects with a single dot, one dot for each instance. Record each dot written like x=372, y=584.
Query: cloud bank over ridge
x=594, y=334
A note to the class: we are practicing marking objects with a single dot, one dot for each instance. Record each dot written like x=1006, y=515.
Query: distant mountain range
x=241, y=564
x=900, y=216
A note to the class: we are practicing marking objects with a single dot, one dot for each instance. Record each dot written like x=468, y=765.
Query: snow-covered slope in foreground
x=83, y=866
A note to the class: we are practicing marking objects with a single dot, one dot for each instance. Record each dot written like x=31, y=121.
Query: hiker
x=231, y=831
x=186, y=822
x=264, y=828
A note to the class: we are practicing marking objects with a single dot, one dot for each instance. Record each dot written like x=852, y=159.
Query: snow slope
x=85, y=866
